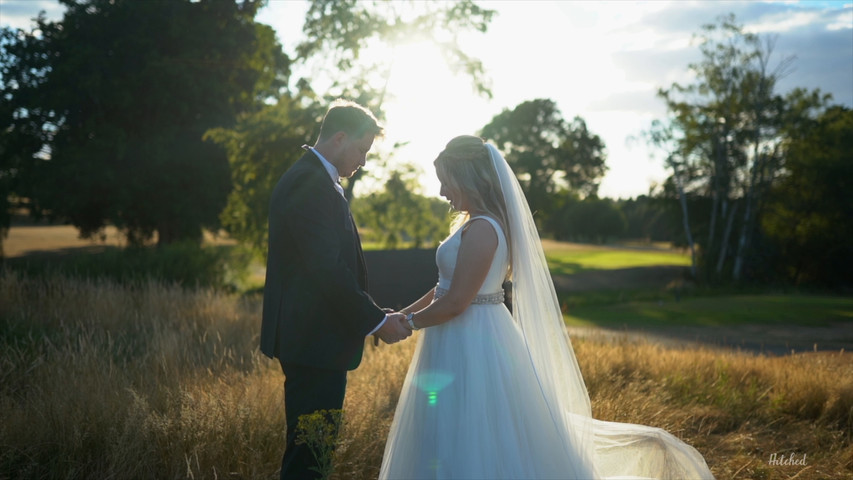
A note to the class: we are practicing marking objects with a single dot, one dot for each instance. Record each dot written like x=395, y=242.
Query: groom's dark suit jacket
x=316, y=310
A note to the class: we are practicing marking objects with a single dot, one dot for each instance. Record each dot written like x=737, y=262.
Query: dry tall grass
x=153, y=381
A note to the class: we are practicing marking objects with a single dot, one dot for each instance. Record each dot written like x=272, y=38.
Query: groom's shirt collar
x=330, y=169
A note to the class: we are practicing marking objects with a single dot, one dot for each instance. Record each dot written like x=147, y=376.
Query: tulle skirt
x=471, y=408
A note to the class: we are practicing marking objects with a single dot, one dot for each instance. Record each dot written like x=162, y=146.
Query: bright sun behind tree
x=427, y=104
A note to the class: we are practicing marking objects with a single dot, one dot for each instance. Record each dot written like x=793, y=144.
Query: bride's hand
x=394, y=329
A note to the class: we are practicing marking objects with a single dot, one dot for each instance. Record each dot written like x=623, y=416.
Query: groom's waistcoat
x=316, y=311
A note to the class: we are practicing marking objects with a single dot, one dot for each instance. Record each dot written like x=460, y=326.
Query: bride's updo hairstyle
x=465, y=166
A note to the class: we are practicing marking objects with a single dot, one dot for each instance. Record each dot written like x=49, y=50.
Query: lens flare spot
x=434, y=380
x=432, y=383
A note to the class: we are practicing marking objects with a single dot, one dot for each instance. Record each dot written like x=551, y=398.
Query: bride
x=492, y=394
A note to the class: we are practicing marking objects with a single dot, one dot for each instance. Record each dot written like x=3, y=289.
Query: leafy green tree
x=338, y=32
x=548, y=154
x=399, y=215
x=342, y=30
x=260, y=148
x=120, y=93
x=809, y=210
x=21, y=134
x=591, y=219
x=650, y=218
x=724, y=140
x=583, y=156
x=263, y=144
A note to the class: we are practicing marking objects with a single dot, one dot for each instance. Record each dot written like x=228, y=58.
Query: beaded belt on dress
x=488, y=299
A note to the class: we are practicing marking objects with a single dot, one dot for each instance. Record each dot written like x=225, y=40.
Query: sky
x=603, y=61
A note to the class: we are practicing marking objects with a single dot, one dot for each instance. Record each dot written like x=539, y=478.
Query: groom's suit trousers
x=306, y=390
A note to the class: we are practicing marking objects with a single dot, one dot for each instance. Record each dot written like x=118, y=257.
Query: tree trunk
x=686, y=221
x=744, y=236
x=752, y=192
x=759, y=161
x=716, y=191
x=709, y=245
x=724, y=246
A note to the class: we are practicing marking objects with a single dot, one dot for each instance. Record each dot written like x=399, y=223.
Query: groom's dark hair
x=351, y=118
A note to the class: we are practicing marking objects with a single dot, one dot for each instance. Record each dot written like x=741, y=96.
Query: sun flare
x=426, y=105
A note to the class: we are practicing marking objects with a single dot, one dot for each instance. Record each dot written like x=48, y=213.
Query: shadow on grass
x=763, y=323
x=561, y=266
x=718, y=311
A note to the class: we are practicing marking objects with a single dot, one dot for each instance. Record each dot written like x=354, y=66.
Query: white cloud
x=784, y=22
x=842, y=20
x=20, y=13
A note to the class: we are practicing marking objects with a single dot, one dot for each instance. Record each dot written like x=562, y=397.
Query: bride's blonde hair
x=466, y=167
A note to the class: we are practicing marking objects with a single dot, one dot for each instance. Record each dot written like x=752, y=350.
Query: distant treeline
x=167, y=118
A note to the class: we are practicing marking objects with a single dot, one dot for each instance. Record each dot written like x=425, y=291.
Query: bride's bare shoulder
x=481, y=232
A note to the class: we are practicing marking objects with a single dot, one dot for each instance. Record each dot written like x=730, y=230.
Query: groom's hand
x=376, y=335
x=394, y=329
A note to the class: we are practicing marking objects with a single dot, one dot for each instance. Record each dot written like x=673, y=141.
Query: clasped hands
x=394, y=329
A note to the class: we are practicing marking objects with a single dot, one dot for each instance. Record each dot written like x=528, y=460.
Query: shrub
x=186, y=264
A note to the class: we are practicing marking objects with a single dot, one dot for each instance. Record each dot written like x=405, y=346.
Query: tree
x=724, y=140
x=260, y=148
x=591, y=219
x=677, y=159
x=120, y=93
x=338, y=32
x=809, y=209
x=342, y=30
x=263, y=144
x=400, y=214
x=583, y=158
x=650, y=218
x=21, y=134
x=548, y=155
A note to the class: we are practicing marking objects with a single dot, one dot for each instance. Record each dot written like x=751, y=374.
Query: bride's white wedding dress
x=492, y=395
x=470, y=405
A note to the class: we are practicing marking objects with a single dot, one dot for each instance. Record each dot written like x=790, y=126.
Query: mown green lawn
x=567, y=262
x=652, y=307
x=722, y=310
x=568, y=258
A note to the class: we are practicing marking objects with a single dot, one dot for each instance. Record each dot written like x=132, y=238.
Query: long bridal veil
x=613, y=450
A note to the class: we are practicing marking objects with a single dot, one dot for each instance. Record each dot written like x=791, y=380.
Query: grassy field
x=713, y=311
x=563, y=258
x=27, y=239
x=570, y=258
x=101, y=380
x=566, y=258
x=148, y=380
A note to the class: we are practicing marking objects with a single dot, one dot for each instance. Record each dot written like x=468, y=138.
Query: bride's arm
x=476, y=251
x=421, y=303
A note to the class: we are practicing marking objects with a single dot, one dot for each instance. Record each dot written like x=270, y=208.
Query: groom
x=317, y=312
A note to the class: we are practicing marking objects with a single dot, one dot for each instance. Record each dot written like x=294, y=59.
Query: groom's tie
x=340, y=189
